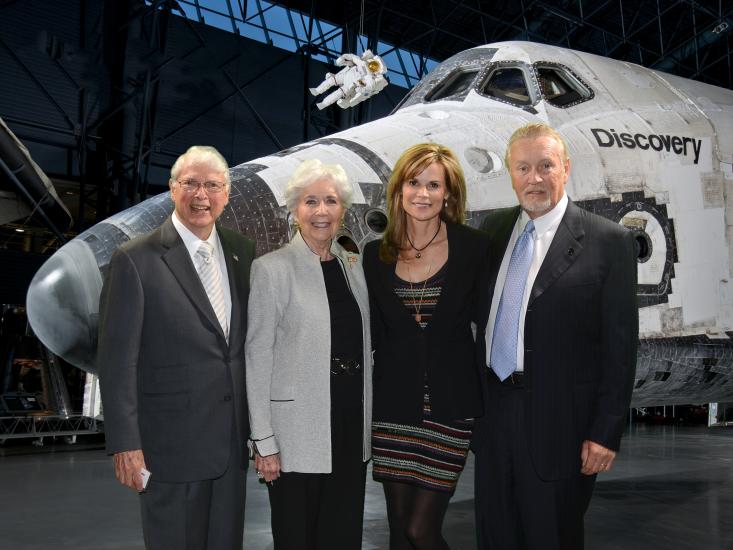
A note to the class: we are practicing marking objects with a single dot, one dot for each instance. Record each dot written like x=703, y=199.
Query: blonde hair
x=412, y=162
x=532, y=131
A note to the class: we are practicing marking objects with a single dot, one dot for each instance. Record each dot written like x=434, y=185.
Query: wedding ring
x=260, y=474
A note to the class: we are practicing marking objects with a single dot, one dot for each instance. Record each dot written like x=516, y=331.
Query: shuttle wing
x=25, y=190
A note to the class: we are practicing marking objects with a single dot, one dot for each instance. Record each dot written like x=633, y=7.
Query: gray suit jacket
x=171, y=384
x=288, y=356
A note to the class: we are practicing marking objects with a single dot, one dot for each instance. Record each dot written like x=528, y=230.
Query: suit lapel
x=178, y=260
x=564, y=249
x=238, y=285
x=500, y=231
x=454, y=252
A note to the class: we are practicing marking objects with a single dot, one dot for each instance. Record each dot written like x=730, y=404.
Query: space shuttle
x=649, y=150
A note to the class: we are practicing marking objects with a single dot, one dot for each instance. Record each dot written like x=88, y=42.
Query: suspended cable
x=361, y=19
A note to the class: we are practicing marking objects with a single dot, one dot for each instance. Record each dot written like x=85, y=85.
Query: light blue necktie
x=506, y=327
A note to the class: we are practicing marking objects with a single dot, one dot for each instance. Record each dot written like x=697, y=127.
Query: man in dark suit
x=173, y=315
x=560, y=330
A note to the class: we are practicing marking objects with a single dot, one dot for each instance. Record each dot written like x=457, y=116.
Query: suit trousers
x=325, y=511
x=515, y=509
x=198, y=515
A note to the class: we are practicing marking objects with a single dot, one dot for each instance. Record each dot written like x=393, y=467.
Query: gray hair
x=312, y=170
x=201, y=154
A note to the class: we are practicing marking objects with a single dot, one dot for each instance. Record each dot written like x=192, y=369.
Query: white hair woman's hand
x=268, y=467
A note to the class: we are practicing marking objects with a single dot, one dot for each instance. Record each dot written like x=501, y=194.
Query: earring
x=343, y=223
x=296, y=225
x=446, y=203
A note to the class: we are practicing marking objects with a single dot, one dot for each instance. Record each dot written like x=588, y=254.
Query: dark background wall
x=108, y=93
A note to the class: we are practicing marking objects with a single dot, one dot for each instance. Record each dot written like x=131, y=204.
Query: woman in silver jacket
x=309, y=371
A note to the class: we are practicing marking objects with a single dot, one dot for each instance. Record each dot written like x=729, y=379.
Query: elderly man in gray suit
x=173, y=315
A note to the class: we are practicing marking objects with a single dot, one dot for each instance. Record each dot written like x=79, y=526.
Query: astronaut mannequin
x=360, y=78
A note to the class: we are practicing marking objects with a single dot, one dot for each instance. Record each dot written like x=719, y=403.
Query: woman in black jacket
x=423, y=278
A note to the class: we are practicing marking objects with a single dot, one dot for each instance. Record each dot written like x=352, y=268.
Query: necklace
x=418, y=307
x=418, y=251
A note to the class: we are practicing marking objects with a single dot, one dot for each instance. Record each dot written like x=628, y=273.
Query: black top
x=346, y=333
x=444, y=350
x=346, y=339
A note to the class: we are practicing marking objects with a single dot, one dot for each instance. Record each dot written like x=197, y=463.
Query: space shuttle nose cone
x=63, y=304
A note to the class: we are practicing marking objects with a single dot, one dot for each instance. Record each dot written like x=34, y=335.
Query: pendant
x=418, y=255
x=418, y=317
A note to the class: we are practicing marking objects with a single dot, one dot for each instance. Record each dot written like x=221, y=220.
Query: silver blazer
x=288, y=353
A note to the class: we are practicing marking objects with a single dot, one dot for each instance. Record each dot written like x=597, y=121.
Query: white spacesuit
x=360, y=78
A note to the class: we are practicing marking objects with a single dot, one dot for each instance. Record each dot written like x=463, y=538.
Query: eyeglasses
x=191, y=186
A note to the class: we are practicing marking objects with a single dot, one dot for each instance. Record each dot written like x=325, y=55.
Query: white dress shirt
x=545, y=228
x=193, y=243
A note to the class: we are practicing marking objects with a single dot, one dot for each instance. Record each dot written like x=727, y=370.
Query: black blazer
x=404, y=353
x=580, y=338
x=170, y=382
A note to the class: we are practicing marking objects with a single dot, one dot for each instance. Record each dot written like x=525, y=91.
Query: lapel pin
x=571, y=251
x=352, y=259
x=236, y=258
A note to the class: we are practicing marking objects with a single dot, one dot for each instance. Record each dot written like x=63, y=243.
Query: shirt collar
x=191, y=241
x=547, y=221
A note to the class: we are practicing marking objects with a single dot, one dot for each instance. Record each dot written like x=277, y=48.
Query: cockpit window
x=465, y=67
x=455, y=84
x=508, y=84
x=559, y=87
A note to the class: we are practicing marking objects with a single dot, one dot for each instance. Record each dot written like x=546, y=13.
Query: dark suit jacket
x=170, y=383
x=404, y=353
x=580, y=338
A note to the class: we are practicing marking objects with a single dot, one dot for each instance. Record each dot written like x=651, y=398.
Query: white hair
x=312, y=170
x=201, y=154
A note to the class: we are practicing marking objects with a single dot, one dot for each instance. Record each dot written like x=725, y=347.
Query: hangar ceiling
x=104, y=60
x=690, y=38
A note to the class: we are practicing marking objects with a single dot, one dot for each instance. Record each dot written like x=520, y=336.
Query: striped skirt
x=430, y=455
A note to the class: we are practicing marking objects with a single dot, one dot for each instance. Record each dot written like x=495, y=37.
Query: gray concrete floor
x=672, y=488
